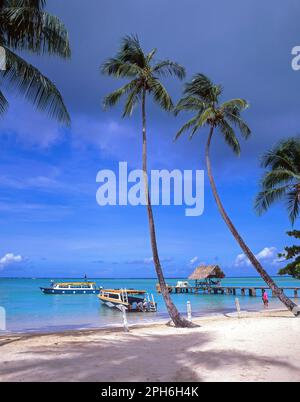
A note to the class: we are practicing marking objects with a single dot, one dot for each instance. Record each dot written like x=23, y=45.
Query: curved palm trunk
x=178, y=320
x=265, y=276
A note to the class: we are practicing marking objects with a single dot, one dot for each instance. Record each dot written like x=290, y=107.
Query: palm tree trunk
x=265, y=276
x=178, y=320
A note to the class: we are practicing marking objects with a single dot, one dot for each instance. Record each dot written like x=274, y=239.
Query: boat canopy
x=128, y=291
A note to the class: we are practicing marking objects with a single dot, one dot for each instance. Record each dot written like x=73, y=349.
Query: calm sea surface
x=28, y=310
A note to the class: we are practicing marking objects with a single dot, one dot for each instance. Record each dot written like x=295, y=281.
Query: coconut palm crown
x=131, y=62
x=202, y=97
x=282, y=180
x=26, y=26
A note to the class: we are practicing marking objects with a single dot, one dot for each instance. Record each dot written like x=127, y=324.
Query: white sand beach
x=258, y=347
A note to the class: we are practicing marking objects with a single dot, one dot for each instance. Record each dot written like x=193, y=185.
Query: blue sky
x=51, y=223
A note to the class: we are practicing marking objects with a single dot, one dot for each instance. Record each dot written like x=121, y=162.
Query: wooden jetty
x=230, y=290
x=208, y=281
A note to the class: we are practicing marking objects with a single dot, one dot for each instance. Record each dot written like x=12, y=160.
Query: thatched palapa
x=207, y=272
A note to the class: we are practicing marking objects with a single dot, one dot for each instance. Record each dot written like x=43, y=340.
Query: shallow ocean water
x=29, y=310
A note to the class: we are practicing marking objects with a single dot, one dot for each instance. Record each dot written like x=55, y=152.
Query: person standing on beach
x=265, y=299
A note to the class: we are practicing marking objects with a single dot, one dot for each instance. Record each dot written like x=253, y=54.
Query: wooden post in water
x=238, y=307
x=189, y=311
x=125, y=322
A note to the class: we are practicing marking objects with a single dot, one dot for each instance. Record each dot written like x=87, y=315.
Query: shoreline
x=113, y=326
x=222, y=347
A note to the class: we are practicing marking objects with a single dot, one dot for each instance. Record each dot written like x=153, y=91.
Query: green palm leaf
x=266, y=198
x=117, y=68
x=282, y=178
x=24, y=25
x=132, y=62
x=202, y=97
x=187, y=126
x=113, y=98
x=235, y=104
x=285, y=155
x=189, y=103
x=278, y=177
x=3, y=103
x=203, y=87
x=293, y=204
x=160, y=94
x=131, y=101
x=34, y=86
x=229, y=136
x=28, y=28
x=169, y=68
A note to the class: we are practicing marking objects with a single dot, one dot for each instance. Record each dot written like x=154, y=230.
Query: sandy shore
x=258, y=347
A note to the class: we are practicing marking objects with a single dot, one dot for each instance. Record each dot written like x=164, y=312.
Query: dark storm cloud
x=245, y=46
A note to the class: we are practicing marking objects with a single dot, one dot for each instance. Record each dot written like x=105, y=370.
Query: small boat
x=71, y=288
x=182, y=284
x=130, y=299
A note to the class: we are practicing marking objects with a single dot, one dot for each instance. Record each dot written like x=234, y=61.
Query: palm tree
x=282, y=181
x=25, y=26
x=131, y=62
x=203, y=98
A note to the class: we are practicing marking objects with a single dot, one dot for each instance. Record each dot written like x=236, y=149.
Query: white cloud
x=9, y=259
x=37, y=131
x=268, y=254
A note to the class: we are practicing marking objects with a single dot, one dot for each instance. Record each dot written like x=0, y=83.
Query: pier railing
x=252, y=291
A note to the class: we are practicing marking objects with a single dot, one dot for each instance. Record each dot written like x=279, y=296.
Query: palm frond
x=169, y=68
x=285, y=155
x=113, y=98
x=189, y=103
x=131, y=101
x=239, y=122
x=132, y=62
x=37, y=4
x=131, y=51
x=34, y=86
x=117, y=68
x=278, y=177
x=230, y=136
x=3, y=103
x=150, y=55
x=235, y=104
x=203, y=87
x=187, y=126
x=293, y=204
x=266, y=198
x=28, y=28
x=160, y=94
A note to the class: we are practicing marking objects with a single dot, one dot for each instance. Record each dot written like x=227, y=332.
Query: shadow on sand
x=127, y=357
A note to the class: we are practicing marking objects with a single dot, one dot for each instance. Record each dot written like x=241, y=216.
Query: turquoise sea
x=28, y=310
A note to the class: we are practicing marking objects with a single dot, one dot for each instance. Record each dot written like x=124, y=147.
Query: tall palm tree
x=282, y=180
x=26, y=26
x=203, y=98
x=133, y=63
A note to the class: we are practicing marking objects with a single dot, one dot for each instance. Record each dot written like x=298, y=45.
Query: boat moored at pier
x=71, y=288
x=130, y=299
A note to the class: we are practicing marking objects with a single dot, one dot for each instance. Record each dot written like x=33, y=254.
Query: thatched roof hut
x=207, y=272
